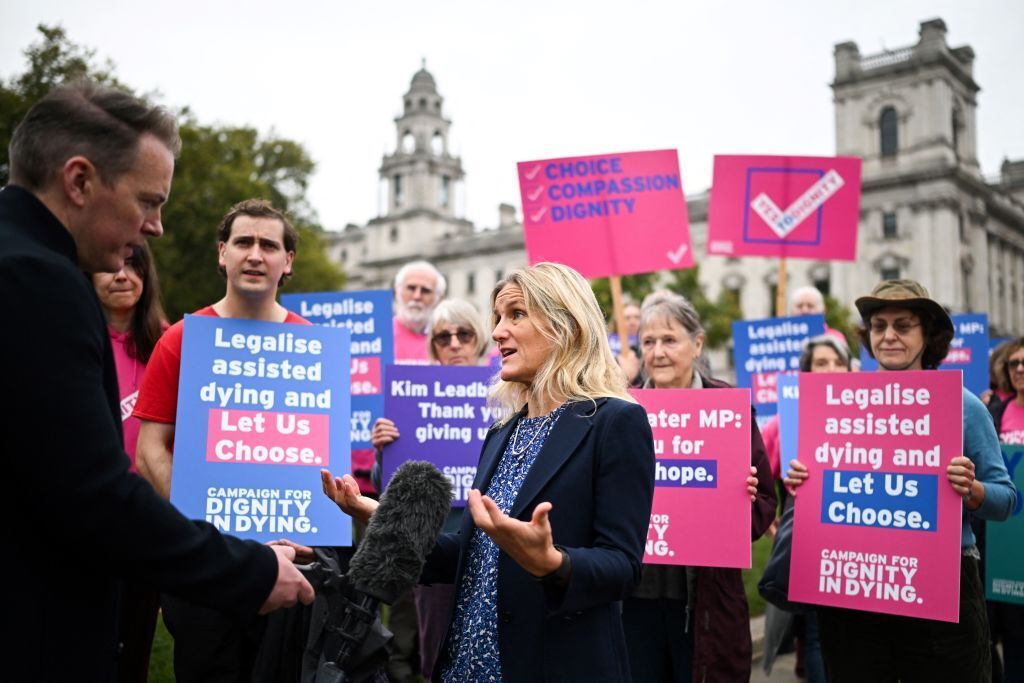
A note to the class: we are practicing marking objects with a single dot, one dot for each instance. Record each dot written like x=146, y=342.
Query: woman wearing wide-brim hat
x=905, y=329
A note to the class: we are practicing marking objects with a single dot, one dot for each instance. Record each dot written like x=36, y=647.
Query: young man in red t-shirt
x=256, y=248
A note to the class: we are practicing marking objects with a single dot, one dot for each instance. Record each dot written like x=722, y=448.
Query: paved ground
x=782, y=671
x=782, y=668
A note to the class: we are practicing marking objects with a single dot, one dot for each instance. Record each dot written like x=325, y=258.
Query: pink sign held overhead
x=611, y=214
x=701, y=511
x=877, y=525
x=793, y=207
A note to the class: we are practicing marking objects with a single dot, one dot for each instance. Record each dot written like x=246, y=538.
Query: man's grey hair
x=441, y=284
x=807, y=289
x=100, y=123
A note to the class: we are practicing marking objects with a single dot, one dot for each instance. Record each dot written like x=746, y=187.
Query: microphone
x=402, y=531
x=388, y=563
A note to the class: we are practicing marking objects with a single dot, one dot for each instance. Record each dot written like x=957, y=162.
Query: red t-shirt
x=1011, y=430
x=158, y=396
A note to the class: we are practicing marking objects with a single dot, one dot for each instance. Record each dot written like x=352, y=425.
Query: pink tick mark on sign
x=536, y=216
x=532, y=173
x=534, y=194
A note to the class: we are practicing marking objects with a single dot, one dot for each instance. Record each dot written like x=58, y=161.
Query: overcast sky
x=529, y=80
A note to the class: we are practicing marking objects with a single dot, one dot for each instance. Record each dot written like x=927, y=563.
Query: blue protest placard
x=764, y=348
x=968, y=352
x=1004, y=541
x=261, y=408
x=442, y=416
x=367, y=316
x=788, y=386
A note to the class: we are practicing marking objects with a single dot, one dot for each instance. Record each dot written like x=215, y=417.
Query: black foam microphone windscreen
x=402, y=531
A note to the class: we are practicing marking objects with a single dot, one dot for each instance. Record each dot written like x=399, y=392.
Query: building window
x=889, y=225
x=446, y=191
x=437, y=144
x=393, y=233
x=890, y=273
x=773, y=295
x=423, y=103
x=397, y=183
x=887, y=125
x=344, y=255
x=823, y=285
x=962, y=225
x=499, y=273
x=408, y=143
x=470, y=283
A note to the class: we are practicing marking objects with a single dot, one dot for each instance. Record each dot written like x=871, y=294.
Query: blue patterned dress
x=473, y=645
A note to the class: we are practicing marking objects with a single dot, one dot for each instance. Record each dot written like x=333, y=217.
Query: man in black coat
x=90, y=169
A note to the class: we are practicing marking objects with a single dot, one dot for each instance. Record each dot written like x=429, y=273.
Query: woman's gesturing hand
x=345, y=492
x=528, y=543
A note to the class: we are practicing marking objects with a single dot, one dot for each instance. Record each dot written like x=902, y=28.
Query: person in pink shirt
x=419, y=287
x=135, y=320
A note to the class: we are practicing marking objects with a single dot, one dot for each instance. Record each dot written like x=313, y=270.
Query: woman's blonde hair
x=460, y=313
x=580, y=366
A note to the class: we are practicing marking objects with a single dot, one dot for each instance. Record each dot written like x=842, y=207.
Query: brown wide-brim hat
x=905, y=294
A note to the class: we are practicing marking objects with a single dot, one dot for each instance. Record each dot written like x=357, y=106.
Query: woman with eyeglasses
x=904, y=329
x=558, y=516
x=455, y=337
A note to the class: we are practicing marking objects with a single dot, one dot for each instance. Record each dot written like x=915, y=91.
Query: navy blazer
x=596, y=468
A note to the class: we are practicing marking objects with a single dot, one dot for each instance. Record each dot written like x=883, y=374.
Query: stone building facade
x=927, y=212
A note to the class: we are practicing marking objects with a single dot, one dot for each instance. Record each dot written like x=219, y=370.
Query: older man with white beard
x=419, y=287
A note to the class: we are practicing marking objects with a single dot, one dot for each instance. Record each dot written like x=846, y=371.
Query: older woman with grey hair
x=683, y=622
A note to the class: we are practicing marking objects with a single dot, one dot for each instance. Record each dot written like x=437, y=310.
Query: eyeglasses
x=900, y=327
x=445, y=338
x=1015, y=363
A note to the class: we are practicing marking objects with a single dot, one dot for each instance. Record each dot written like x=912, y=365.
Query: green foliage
x=634, y=287
x=219, y=166
x=839, y=317
x=717, y=315
x=50, y=62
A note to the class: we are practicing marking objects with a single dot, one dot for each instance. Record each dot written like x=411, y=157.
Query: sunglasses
x=445, y=338
x=900, y=327
x=1015, y=363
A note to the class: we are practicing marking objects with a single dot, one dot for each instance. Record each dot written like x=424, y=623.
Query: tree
x=717, y=316
x=219, y=166
x=838, y=316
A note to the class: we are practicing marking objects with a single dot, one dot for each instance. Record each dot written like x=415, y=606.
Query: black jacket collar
x=21, y=210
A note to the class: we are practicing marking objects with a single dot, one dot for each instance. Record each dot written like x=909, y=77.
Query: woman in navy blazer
x=562, y=499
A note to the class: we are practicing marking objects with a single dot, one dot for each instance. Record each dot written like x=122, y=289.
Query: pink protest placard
x=877, y=525
x=793, y=207
x=610, y=214
x=701, y=511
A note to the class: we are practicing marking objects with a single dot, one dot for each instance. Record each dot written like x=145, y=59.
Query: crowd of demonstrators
x=90, y=169
x=561, y=503
x=256, y=247
x=904, y=329
x=135, y=320
x=691, y=623
x=457, y=337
